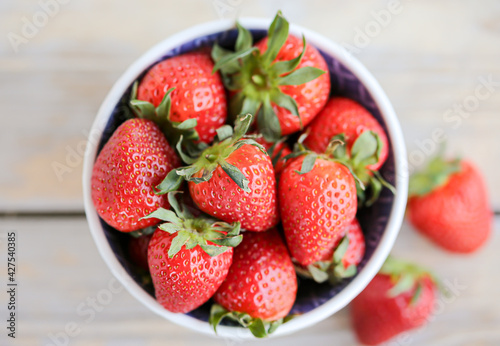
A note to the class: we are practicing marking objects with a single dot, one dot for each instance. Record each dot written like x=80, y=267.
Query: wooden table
x=430, y=57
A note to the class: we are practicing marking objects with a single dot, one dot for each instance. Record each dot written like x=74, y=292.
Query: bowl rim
x=386, y=241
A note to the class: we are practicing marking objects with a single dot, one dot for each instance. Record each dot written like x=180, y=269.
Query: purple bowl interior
x=373, y=220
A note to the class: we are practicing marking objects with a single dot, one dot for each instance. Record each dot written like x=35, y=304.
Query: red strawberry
x=449, y=204
x=189, y=257
x=317, y=198
x=366, y=143
x=277, y=151
x=232, y=180
x=261, y=285
x=280, y=79
x=135, y=159
x=311, y=96
x=198, y=92
x=400, y=298
x=221, y=197
x=356, y=249
x=348, y=253
x=344, y=116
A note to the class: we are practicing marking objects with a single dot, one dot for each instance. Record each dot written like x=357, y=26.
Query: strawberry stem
x=257, y=78
x=213, y=157
x=434, y=175
x=365, y=151
x=406, y=276
x=257, y=326
x=172, y=130
x=214, y=237
x=333, y=271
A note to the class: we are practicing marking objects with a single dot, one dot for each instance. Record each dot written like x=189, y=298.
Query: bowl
x=381, y=222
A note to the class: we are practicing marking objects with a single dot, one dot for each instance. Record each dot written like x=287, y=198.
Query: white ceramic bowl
x=349, y=78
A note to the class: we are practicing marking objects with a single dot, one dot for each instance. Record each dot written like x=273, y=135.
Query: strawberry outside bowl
x=381, y=222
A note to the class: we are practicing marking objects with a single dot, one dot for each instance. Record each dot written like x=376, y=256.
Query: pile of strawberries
x=273, y=196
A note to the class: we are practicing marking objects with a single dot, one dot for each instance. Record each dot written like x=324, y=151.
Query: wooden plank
x=427, y=56
x=59, y=269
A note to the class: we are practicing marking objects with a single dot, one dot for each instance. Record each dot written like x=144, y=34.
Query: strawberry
x=344, y=116
x=449, y=204
x=348, y=253
x=189, y=257
x=281, y=79
x=232, y=180
x=317, y=198
x=197, y=92
x=366, y=146
x=356, y=249
x=261, y=286
x=277, y=151
x=136, y=158
x=400, y=298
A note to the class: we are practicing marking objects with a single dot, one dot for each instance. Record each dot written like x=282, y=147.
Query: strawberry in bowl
x=278, y=78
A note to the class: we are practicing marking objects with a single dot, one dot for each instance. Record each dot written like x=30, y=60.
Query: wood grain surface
x=438, y=61
x=64, y=281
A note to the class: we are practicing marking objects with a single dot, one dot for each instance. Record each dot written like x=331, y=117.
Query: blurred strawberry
x=449, y=204
x=400, y=298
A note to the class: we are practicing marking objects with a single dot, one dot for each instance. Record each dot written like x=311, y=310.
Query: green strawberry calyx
x=407, y=276
x=257, y=326
x=213, y=237
x=334, y=271
x=227, y=142
x=436, y=174
x=256, y=79
x=310, y=157
x=172, y=130
x=364, y=152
